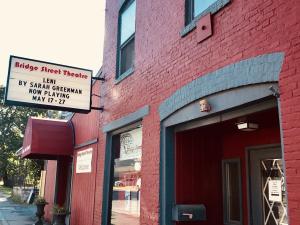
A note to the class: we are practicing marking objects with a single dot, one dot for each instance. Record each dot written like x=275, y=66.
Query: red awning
x=47, y=139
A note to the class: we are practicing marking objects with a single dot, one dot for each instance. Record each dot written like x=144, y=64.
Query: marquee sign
x=48, y=85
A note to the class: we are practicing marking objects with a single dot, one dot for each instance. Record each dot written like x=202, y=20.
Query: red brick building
x=201, y=118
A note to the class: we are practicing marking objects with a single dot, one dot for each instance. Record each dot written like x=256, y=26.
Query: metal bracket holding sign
x=98, y=79
x=47, y=85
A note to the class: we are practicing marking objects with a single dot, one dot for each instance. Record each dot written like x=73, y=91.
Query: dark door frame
x=253, y=197
x=109, y=170
x=112, y=129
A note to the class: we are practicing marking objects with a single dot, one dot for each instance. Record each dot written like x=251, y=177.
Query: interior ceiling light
x=247, y=126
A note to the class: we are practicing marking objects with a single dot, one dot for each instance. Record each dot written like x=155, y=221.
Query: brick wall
x=165, y=61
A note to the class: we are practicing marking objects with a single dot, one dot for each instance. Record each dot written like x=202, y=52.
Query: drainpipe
x=276, y=94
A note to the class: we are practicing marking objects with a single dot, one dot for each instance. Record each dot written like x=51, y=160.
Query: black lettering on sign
x=35, y=91
x=83, y=167
x=38, y=98
x=22, y=83
x=39, y=85
x=49, y=81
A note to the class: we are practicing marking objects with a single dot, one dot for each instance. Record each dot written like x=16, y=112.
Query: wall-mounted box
x=189, y=213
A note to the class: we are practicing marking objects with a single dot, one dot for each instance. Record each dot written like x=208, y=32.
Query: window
x=232, y=194
x=126, y=179
x=126, y=38
x=195, y=8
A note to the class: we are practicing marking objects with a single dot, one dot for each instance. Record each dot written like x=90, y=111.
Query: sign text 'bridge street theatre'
x=48, y=85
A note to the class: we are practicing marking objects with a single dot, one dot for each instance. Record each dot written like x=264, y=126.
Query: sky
x=68, y=32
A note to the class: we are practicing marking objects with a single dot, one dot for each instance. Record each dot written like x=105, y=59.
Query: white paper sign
x=48, y=85
x=84, y=161
x=131, y=144
x=275, y=192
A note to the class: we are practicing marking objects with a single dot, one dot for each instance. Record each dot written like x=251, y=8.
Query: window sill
x=124, y=75
x=214, y=8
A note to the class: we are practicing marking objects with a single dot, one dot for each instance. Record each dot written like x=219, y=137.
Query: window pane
x=128, y=22
x=127, y=56
x=127, y=178
x=201, y=5
x=233, y=192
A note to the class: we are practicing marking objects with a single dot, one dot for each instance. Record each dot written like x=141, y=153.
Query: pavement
x=15, y=214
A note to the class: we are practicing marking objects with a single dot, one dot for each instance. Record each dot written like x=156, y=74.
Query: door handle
x=190, y=215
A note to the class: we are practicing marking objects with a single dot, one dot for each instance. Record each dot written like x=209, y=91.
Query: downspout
x=276, y=94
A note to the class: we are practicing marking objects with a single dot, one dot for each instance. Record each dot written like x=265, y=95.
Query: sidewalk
x=15, y=214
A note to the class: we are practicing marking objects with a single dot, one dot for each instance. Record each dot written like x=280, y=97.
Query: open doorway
x=222, y=168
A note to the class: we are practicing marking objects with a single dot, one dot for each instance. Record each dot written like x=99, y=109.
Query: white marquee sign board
x=84, y=161
x=48, y=85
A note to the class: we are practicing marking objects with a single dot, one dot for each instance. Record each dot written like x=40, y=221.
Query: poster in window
x=131, y=144
x=275, y=192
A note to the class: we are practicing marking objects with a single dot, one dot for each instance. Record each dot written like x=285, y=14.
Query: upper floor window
x=126, y=38
x=196, y=7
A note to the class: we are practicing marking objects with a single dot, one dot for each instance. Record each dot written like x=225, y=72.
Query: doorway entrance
x=268, y=203
x=216, y=166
